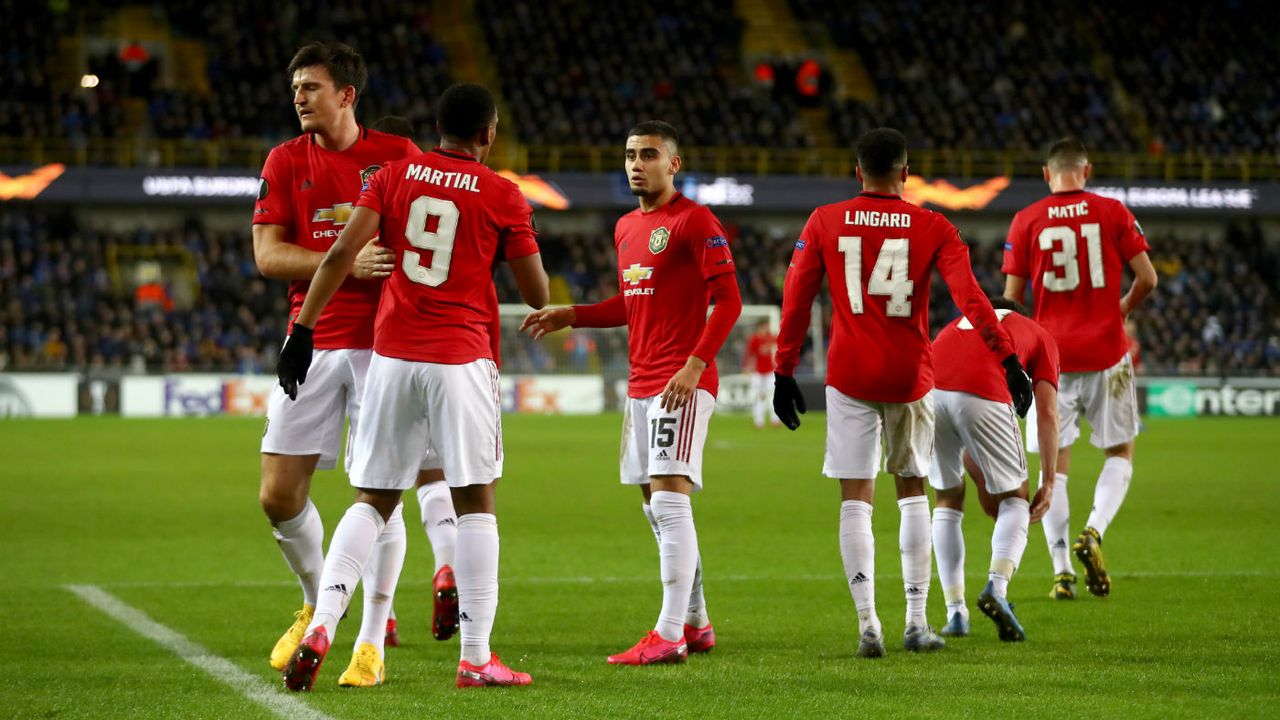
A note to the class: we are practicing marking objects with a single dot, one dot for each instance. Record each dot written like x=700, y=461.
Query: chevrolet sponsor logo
x=339, y=214
x=634, y=274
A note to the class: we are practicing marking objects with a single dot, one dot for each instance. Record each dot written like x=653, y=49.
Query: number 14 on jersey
x=890, y=277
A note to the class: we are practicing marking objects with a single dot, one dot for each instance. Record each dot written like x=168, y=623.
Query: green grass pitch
x=164, y=515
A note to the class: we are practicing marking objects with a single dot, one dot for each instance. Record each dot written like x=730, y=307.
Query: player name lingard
x=461, y=181
x=871, y=218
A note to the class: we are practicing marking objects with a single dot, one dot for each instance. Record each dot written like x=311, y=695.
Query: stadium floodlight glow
x=89, y=80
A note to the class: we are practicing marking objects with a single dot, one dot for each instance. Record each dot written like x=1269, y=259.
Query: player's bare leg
x=858, y=552
x=669, y=501
x=284, y=494
x=476, y=568
x=441, y=525
x=1057, y=532
x=1108, y=495
x=699, y=635
x=915, y=540
x=349, y=551
x=1008, y=542
x=948, y=546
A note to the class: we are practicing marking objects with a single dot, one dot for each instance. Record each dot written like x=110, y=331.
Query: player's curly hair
x=464, y=110
x=340, y=60
x=882, y=152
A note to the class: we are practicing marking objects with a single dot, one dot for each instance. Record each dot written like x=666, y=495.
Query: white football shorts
x=1108, y=398
x=853, y=437
x=312, y=424
x=412, y=408
x=988, y=430
x=661, y=442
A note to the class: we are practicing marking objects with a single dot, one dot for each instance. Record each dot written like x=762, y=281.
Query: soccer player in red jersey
x=432, y=382
x=673, y=256
x=308, y=187
x=758, y=363
x=878, y=253
x=974, y=415
x=1074, y=246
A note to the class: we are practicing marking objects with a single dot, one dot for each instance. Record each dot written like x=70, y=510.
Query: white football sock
x=915, y=541
x=438, y=519
x=948, y=548
x=678, y=559
x=760, y=411
x=1113, y=484
x=380, y=577
x=1057, y=527
x=1008, y=542
x=349, y=551
x=476, y=570
x=858, y=551
x=301, y=540
x=697, y=612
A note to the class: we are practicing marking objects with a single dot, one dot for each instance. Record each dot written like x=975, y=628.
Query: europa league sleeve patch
x=263, y=188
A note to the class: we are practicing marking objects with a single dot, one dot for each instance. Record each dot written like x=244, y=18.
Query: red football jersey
x=311, y=192
x=760, y=349
x=968, y=365
x=665, y=258
x=446, y=217
x=1073, y=246
x=878, y=253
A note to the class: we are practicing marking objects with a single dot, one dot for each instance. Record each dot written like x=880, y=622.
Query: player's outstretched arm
x=1144, y=281
x=1047, y=434
x=531, y=280
x=337, y=264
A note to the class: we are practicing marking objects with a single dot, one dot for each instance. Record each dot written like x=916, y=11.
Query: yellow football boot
x=287, y=645
x=366, y=668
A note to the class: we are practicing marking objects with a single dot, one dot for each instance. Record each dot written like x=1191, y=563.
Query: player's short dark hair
x=340, y=60
x=1066, y=152
x=1004, y=303
x=664, y=130
x=464, y=110
x=394, y=125
x=882, y=152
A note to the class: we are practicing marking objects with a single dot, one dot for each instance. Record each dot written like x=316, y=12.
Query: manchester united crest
x=367, y=173
x=658, y=240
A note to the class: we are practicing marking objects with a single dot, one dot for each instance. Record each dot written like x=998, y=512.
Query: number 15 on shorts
x=662, y=432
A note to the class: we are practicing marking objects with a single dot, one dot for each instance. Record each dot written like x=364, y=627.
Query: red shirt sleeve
x=275, y=198
x=375, y=191
x=1132, y=239
x=804, y=279
x=728, y=300
x=953, y=263
x=606, y=314
x=1044, y=364
x=518, y=238
x=1016, y=261
x=710, y=243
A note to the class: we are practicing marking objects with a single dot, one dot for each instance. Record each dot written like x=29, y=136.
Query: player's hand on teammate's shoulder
x=375, y=261
x=787, y=400
x=541, y=322
x=295, y=359
x=681, y=387
x=1019, y=384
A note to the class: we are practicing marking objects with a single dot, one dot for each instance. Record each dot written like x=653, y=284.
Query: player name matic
x=1079, y=209
x=460, y=181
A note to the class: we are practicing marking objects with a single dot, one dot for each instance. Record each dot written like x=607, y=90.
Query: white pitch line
x=620, y=579
x=219, y=668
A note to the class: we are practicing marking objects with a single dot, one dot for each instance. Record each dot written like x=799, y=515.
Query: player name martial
x=871, y=218
x=461, y=181
x=1069, y=211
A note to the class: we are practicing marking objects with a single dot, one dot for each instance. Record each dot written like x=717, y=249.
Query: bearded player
x=308, y=188
x=673, y=256
x=1074, y=246
x=878, y=252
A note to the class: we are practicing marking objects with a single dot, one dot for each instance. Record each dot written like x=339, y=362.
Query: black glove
x=787, y=400
x=1019, y=384
x=295, y=359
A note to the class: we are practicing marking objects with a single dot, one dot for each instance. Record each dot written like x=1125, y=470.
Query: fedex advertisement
x=195, y=395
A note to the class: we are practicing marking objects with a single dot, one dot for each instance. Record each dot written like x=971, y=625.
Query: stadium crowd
x=1131, y=78
x=69, y=302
